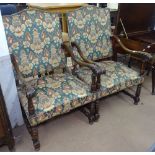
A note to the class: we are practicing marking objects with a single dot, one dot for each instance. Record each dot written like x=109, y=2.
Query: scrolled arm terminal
x=96, y=70
x=144, y=56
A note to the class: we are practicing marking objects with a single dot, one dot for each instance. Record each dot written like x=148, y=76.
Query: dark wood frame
x=8, y=138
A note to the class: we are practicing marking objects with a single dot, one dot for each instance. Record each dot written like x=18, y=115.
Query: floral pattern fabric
x=117, y=77
x=90, y=28
x=55, y=95
x=34, y=37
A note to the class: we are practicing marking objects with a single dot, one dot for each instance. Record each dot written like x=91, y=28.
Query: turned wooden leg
x=137, y=95
x=98, y=81
x=153, y=80
x=91, y=117
x=89, y=111
x=33, y=131
x=148, y=69
x=28, y=126
x=93, y=85
x=35, y=138
x=11, y=145
x=97, y=115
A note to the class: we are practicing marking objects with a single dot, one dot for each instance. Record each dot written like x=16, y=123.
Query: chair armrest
x=144, y=56
x=93, y=66
x=28, y=90
x=74, y=44
x=96, y=70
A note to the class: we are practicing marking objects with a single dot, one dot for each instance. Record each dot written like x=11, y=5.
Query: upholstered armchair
x=146, y=65
x=46, y=89
x=89, y=30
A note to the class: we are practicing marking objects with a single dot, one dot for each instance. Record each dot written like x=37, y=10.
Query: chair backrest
x=90, y=28
x=34, y=38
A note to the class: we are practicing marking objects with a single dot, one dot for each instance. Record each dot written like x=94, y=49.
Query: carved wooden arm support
x=96, y=70
x=28, y=90
x=144, y=56
x=74, y=44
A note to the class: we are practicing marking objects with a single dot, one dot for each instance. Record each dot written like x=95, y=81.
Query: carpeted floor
x=122, y=127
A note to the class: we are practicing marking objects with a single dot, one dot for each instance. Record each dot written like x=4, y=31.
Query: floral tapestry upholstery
x=90, y=28
x=55, y=95
x=34, y=37
x=117, y=77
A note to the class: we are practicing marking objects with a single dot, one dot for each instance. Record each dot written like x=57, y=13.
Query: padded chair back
x=34, y=38
x=90, y=28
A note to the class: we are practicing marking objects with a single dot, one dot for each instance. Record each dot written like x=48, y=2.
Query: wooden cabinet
x=6, y=136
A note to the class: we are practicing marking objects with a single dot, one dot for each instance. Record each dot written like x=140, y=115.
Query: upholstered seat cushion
x=117, y=77
x=56, y=94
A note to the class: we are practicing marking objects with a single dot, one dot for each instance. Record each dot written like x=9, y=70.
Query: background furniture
x=136, y=29
x=139, y=22
x=6, y=136
x=8, y=9
x=58, y=7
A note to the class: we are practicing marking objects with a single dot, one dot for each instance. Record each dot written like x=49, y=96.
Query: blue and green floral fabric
x=34, y=37
x=90, y=28
x=117, y=77
x=55, y=95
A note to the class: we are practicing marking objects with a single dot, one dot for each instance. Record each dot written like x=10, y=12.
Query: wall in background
x=7, y=81
x=112, y=5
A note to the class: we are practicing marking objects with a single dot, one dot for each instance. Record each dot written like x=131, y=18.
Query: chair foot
x=36, y=145
x=35, y=138
x=97, y=115
x=89, y=112
x=136, y=100
x=91, y=120
x=135, y=97
x=33, y=131
x=153, y=92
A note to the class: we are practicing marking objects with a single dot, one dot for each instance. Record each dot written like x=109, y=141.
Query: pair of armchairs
x=38, y=56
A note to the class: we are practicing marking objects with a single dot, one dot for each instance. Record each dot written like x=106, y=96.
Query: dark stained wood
x=138, y=18
x=6, y=136
x=138, y=21
x=135, y=97
x=139, y=26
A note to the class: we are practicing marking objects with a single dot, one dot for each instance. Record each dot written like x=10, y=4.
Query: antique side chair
x=89, y=30
x=46, y=89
